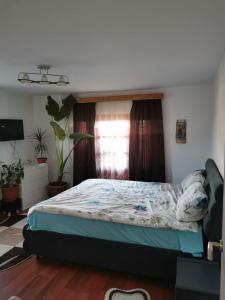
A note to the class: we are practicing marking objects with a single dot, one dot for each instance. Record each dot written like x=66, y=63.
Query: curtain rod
x=156, y=96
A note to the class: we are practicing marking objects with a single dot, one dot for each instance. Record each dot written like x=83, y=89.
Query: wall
x=193, y=103
x=219, y=117
x=15, y=105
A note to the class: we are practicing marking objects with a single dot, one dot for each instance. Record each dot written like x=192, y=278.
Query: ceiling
x=106, y=45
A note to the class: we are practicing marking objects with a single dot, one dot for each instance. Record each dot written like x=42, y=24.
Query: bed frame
x=124, y=257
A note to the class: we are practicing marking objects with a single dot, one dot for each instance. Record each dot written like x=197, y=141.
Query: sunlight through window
x=112, y=147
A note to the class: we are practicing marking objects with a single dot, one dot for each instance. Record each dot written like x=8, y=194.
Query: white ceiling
x=112, y=44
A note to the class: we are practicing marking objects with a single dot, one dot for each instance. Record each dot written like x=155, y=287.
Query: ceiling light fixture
x=43, y=77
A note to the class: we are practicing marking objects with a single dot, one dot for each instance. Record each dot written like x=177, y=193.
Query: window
x=112, y=145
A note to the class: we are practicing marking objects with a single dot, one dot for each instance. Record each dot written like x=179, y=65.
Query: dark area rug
x=9, y=221
x=12, y=258
x=11, y=241
x=3, y=218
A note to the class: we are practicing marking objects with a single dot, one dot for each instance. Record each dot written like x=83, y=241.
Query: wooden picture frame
x=181, y=128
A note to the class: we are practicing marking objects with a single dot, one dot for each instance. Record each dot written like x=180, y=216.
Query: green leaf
x=58, y=131
x=11, y=174
x=69, y=102
x=52, y=108
x=67, y=106
x=58, y=113
x=78, y=137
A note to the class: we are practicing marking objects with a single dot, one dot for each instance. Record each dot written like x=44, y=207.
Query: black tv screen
x=11, y=130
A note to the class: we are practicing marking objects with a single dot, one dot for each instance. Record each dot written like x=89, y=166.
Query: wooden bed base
x=124, y=257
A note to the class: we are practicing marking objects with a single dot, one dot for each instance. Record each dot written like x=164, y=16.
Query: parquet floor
x=47, y=280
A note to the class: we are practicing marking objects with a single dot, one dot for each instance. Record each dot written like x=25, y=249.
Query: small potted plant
x=10, y=178
x=38, y=137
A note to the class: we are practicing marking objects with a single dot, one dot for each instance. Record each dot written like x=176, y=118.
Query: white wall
x=18, y=106
x=219, y=117
x=193, y=103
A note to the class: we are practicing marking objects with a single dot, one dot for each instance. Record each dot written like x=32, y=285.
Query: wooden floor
x=43, y=279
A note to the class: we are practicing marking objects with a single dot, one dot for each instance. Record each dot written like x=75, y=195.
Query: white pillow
x=192, y=205
x=196, y=176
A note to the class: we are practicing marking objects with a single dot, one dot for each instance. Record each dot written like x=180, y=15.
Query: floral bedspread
x=130, y=202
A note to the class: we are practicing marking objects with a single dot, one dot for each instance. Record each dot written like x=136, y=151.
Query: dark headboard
x=212, y=223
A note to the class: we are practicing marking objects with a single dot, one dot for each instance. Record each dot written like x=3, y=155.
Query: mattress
x=184, y=241
x=147, y=204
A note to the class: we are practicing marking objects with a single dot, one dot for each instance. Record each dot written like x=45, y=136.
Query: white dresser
x=34, y=184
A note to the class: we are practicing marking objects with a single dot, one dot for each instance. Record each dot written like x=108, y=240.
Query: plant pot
x=10, y=193
x=41, y=160
x=55, y=188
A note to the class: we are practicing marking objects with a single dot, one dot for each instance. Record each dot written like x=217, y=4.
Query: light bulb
x=61, y=81
x=44, y=80
x=25, y=79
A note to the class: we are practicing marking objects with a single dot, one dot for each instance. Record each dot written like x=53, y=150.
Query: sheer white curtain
x=112, y=129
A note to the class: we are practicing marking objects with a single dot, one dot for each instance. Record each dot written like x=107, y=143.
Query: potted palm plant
x=10, y=178
x=38, y=137
x=60, y=115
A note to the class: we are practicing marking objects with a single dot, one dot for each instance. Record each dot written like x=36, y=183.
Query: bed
x=123, y=238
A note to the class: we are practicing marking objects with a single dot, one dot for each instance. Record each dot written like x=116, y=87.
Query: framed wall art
x=181, y=128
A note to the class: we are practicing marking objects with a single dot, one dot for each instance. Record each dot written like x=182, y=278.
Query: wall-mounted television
x=11, y=130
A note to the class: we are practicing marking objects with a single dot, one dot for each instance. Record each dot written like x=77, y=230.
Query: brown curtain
x=146, y=149
x=84, y=154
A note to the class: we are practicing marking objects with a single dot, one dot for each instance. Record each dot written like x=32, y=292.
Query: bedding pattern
x=193, y=204
x=128, y=202
x=195, y=176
